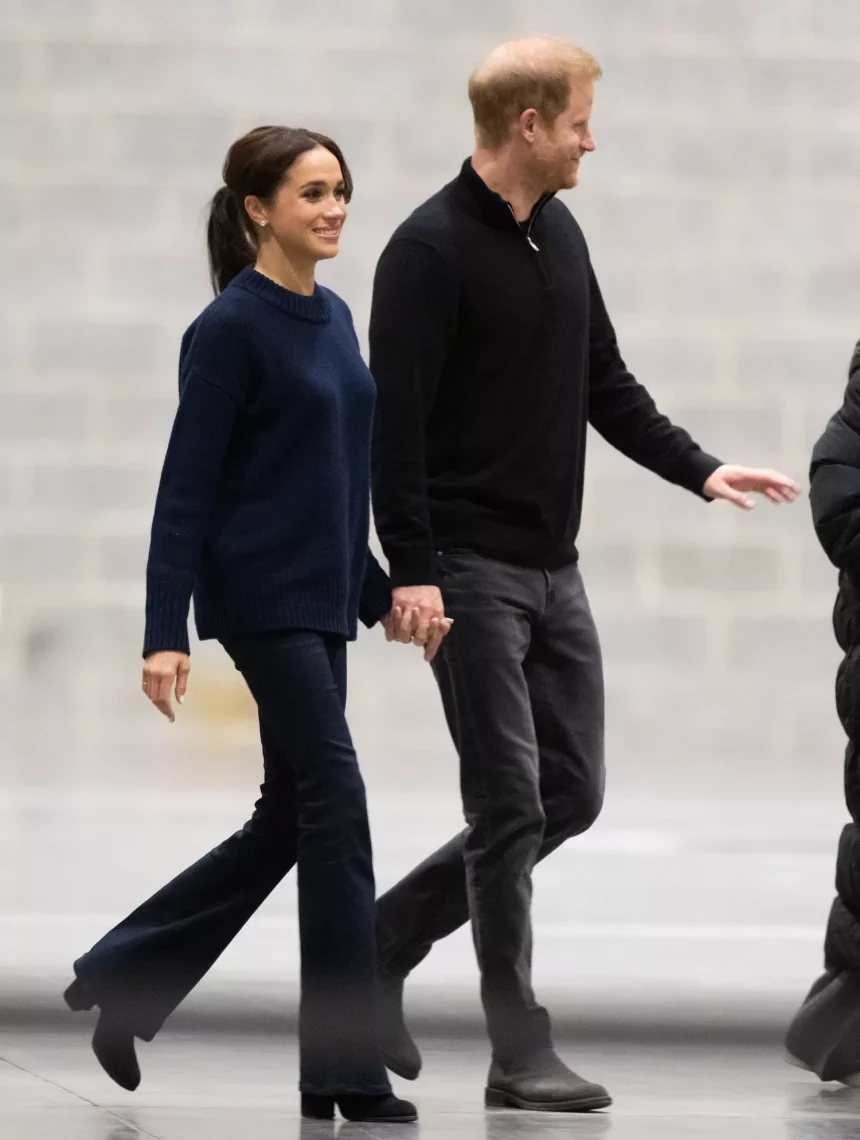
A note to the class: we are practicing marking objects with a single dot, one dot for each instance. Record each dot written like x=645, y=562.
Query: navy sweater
x=263, y=505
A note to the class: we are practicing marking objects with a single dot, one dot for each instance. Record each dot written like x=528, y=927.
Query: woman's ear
x=255, y=211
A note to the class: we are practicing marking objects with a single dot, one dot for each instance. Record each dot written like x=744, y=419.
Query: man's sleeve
x=624, y=413
x=412, y=326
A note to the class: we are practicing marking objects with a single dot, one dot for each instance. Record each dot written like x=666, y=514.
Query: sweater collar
x=316, y=307
x=477, y=197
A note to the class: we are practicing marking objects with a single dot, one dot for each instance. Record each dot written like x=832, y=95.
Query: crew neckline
x=315, y=307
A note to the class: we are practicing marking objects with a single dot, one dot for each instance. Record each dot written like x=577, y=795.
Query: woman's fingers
x=161, y=672
x=161, y=698
x=182, y=679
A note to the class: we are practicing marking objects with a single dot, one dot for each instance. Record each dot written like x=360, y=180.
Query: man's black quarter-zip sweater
x=492, y=351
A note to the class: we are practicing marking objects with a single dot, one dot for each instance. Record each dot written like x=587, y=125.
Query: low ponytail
x=227, y=238
x=256, y=165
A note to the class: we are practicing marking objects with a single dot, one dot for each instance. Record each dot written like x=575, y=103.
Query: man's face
x=558, y=149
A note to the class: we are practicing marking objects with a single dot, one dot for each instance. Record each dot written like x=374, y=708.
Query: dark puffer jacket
x=825, y=1033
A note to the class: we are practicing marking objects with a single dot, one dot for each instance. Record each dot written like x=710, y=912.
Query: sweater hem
x=247, y=610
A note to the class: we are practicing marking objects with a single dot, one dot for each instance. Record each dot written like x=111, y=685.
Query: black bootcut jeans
x=311, y=811
x=521, y=681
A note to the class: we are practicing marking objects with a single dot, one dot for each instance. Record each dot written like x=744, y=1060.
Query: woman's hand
x=160, y=671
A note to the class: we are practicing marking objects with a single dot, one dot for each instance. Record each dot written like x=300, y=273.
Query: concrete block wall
x=721, y=209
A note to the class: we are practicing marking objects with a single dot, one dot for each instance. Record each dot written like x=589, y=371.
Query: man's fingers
x=405, y=626
x=788, y=494
x=425, y=634
x=414, y=625
x=432, y=648
x=778, y=488
x=423, y=626
x=741, y=500
x=783, y=483
x=433, y=642
x=438, y=633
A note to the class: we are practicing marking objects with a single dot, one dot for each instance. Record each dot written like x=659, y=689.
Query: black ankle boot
x=317, y=1107
x=399, y=1051
x=113, y=1045
x=77, y=998
x=385, y=1109
x=113, y=1039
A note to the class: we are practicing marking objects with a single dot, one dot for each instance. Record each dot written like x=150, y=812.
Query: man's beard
x=563, y=175
x=568, y=176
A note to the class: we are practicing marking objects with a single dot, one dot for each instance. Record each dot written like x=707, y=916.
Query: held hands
x=160, y=671
x=735, y=484
x=417, y=615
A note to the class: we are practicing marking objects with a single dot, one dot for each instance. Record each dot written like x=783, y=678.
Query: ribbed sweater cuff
x=694, y=470
x=375, y=600
x=167, y=603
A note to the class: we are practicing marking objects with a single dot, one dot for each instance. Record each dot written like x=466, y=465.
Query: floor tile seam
x=115, y=1114
x=84, y=1101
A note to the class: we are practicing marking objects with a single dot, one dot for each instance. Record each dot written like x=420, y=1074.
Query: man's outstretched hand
x=736, y=484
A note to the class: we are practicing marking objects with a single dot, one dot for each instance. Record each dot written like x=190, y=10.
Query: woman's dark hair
x=257, y=163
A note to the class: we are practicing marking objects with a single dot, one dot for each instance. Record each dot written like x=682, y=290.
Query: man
x=492, y=351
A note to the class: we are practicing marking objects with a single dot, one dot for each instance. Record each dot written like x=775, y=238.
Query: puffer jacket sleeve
x=835, y=480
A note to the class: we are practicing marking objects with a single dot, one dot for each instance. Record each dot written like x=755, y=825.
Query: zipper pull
x=528, y=234
x=529, y=231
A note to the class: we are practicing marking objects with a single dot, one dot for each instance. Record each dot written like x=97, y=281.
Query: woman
x=825, y=1033
x=263, y=511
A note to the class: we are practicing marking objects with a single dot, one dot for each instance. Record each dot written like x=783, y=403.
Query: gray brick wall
x=721, y=209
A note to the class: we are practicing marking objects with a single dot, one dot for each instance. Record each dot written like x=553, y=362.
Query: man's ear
x=528, y=123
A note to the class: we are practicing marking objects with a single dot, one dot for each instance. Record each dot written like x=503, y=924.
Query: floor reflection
x=508, y=1125
x=232, y=1087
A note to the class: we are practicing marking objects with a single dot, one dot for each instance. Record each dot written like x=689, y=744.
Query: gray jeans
x=521, y=680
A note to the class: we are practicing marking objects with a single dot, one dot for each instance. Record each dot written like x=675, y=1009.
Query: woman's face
x=308, y=211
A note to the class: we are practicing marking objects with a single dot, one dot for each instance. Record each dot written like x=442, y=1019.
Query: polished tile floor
x=707, y=909
x=232, y=1088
